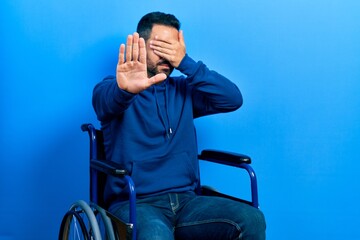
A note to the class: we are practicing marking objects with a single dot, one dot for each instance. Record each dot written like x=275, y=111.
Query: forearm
x=109, y=100
x=211, y=91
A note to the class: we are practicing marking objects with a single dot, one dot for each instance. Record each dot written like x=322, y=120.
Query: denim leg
x=219, y=218
x=153, y=218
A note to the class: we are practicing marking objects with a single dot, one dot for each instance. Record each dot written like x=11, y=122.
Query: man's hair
x=147, y=22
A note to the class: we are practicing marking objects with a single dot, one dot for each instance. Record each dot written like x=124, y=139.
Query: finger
x=135, y=48
x=121, y=54
x=163, y=40
x=181, y=37
x=163, y=55
x=160, y=44
x=160, y=77
x=142, y=51
x=157, y=78
x=129, y=43
x=163, y=50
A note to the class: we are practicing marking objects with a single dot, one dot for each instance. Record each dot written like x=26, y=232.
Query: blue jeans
x=188, y=216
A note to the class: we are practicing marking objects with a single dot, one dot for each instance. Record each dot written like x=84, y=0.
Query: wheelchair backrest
x=97, y=151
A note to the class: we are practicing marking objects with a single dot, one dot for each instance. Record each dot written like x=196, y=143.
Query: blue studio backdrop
x=297, y=64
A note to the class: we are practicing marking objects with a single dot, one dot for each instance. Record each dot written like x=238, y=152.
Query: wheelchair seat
x=91, y=221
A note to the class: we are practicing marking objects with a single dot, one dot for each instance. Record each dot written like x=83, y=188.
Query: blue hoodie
x=152, y=133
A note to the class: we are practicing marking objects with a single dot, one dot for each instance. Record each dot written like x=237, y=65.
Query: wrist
x=187, y=65
x=177, y=64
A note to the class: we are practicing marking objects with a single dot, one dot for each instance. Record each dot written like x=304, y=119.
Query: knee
x=154, y=230
x=259, y=220
x=255, y=226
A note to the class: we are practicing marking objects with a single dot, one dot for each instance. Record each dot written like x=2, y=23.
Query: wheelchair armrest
x=234, y=160
x=108, y=167
x=223, y=157
x=86, y=126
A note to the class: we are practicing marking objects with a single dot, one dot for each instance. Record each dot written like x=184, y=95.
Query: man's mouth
x=164, y=64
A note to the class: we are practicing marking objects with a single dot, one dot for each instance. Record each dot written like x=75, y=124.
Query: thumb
x=181, y=37
x=157, y=78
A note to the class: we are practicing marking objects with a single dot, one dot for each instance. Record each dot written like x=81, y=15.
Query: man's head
x=153, y=26
x=147, y=22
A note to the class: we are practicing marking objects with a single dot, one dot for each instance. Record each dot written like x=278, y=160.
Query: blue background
x=296, y=62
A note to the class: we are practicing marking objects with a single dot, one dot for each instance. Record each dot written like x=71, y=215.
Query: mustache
x=164, y=62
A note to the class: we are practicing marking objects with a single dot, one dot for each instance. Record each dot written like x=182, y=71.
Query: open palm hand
x=131, y=70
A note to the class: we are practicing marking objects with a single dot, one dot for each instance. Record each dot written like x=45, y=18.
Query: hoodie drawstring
x=167, y=125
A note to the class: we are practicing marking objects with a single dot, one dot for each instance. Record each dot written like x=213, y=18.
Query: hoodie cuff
x=188, y=66
x=123, y=97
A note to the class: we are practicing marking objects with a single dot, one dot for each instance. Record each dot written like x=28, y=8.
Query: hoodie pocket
x=161, y=174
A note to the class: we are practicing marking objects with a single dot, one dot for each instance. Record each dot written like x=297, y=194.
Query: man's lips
x=164, y=64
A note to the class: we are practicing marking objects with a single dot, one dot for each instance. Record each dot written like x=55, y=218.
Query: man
x=147, y=118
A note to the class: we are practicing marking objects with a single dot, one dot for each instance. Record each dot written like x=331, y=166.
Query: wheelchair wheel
x=104, y=222
x=73, y=227
x=79, y=223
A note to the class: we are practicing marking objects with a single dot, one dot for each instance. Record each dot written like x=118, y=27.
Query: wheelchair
x=90, y=221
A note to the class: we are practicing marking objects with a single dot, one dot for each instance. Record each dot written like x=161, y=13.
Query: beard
x=162, y=66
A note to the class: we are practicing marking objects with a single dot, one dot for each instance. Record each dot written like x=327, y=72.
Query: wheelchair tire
x=73, y=227
x=79, y=223
x=104, y=222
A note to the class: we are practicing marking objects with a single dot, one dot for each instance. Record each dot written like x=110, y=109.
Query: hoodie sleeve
x=211, y=92
x=109, y=100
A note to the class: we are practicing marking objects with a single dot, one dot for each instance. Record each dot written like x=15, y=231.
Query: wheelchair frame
x=113, y=226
